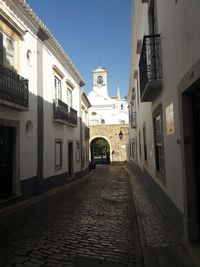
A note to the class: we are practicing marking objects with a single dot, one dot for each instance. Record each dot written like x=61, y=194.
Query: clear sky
x=93, y=33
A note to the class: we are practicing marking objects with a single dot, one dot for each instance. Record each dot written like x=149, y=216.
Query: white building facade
x=164, y=105
x=105, y=109
x=40, y=106
x=108, y=117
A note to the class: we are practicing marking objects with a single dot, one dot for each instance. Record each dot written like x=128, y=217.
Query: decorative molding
x=56, y=69
x=70, y=84
x=11, y=23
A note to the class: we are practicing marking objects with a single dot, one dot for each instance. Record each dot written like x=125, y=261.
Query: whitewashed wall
x=178, y=24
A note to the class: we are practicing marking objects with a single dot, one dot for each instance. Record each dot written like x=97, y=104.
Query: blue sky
x=92, y=33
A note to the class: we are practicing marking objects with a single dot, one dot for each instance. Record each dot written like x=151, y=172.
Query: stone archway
x=118, y=148
x=100, y=150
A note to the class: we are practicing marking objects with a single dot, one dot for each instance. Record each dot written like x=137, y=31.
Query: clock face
x=99, y=79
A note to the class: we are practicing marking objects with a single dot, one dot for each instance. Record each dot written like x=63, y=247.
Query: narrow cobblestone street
x=106, y=219
x=90, y=219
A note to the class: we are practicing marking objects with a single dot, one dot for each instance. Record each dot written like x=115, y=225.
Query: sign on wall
x=170, y=119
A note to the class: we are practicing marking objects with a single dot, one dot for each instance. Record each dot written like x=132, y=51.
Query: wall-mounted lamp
x=121, y=135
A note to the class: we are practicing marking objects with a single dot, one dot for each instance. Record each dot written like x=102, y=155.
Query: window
x=69, y=97
x=58, y=154
x=144, y=143
x=102, y=121
x=57, y=87
x=158, y=137
x=7, y=51
x=100, y=79
x=139, y=46
x=9, y=46
x=152, y=18
x=122, y=107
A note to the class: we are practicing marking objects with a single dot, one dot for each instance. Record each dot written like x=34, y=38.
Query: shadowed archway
x=100, y=151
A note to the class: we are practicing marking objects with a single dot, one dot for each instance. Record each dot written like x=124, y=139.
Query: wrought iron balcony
x=64, y=114
x=13, y=89
x=150, y=67
x=73, y=116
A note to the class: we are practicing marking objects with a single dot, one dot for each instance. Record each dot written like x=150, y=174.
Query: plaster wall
x=26, y=147
x=52, y=129
x=178, y=24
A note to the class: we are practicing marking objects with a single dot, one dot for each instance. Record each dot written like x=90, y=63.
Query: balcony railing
x=64, y=114
x=13, y=89
x=73, y=116
x=150, y=67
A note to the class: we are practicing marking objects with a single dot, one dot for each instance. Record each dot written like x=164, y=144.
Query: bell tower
x=100, y=85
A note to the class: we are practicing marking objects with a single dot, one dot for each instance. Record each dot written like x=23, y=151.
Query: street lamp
x=121, y=135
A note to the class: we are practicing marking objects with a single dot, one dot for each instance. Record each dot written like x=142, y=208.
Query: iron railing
x=150, y=65
x=13, y=87
x=73, y=116
x=64, y=113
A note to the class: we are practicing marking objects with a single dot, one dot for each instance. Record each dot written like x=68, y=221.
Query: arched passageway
x=100, y=151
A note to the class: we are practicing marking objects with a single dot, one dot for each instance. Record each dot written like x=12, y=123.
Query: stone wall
x=111, y=134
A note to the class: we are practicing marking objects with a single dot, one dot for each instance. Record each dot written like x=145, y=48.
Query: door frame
x=16, y=186
x=188, y=85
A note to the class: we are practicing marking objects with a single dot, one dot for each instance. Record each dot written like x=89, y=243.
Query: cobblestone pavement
x=91, y=222
x=161, y=245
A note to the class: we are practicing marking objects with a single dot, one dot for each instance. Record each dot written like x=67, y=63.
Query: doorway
x=191, y=144
x=6, y=161
x=196, y=134
x=70, y=159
